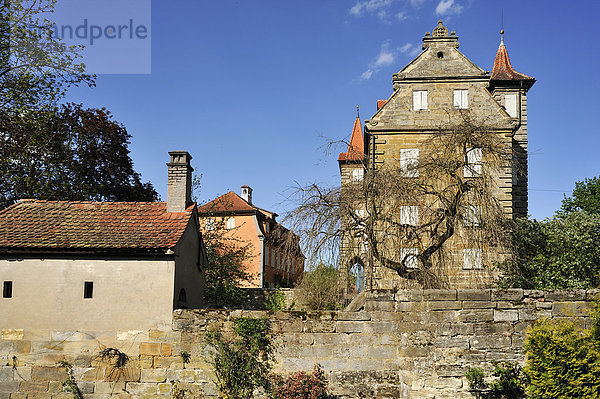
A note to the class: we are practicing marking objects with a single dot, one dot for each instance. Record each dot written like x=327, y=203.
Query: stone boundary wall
x=404, y=344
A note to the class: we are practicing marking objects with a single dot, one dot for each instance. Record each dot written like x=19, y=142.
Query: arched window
x=182, y=299
x=358, y=272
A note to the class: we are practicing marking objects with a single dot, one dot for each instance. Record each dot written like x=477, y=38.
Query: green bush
x=563, y=360
x=509, y=382
x=242, y=362
x=321, y=289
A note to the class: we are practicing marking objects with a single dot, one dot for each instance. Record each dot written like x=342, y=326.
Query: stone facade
x=404, y=344
x=497, y=101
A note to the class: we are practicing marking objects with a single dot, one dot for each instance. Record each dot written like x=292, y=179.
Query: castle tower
x=431, y=94
x=509, y=89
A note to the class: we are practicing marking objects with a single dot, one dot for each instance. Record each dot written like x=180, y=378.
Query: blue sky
x=252, y=89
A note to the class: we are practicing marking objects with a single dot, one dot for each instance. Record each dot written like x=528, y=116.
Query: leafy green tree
x=585, y=197
x=35, y=66
x=67, y=153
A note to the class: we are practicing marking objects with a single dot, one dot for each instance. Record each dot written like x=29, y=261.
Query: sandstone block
x=490, y=342
x=451, y=370
x=506, y=315
x=12, y=334
x=353, y=316
x=149, y=349
x=475, y=316
x=385, y=306
x=452, y=342
x=349, y=326
x=319, y=326
x=511, y=294
x=153, y=375
x=9, y=386
x=103, y=387
x=411, y=295
x=478, y=305
x=439, y=295
x=444, y=305
x=474, y=295
x=571, y=309
x=48, y=373
x=566, y=296
x=33, y=386
x=141, y=388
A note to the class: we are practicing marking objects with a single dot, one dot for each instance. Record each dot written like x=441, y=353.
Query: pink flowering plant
x=300, y=385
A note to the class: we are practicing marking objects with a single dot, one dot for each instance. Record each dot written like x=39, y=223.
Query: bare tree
x=409, y=216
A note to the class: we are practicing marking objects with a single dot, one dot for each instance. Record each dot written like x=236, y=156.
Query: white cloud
x=417, y=3
x=387, y=56
x=366, y=75
x=370, y=6
x=448, y=7
x=401, y=16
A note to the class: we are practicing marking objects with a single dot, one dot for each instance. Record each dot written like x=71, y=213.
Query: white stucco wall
x=48, y=294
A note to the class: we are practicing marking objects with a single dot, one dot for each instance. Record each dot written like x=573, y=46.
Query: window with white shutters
x=510, y=104
x=472, y=258
x=472, y=216
x=407, y=255
x=461, y=99
x=419, y=100
x=230, y=223
x=358, y=174
x=210, y=224
x=409, y=162
x=409, y=215
x=473, y=166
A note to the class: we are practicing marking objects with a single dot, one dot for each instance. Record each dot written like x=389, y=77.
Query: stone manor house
x=439, y=84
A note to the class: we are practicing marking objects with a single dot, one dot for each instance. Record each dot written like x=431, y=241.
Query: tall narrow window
x=473, y=166
x=7, y=289
x=408, y=256
x=472, y=216
x=358, y=174
x=409, y=215
x=88, y=289
x=461, y=99
x=210, y=224
x=230, y=223
x=510, y=104
x=409, y=162
x=472, y=258
x=419, y=100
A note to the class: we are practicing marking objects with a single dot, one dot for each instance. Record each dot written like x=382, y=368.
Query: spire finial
x=357, y=111
x=502, y=37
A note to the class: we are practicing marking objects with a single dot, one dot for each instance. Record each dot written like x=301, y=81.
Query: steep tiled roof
x=230, y=202
x=356, y=147
x=91, y=226
x=502, y=69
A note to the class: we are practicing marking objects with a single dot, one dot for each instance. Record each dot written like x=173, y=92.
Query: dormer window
x=461, y=99
x=419, y=100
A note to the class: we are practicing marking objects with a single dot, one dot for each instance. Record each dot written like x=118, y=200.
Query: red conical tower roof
x=356, y=147
x=502, y=69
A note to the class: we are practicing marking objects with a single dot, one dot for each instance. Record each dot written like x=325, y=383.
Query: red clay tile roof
x=356, y=148
x=502, y=69
x=230, y=202
x=381, y=103
x=91, y=226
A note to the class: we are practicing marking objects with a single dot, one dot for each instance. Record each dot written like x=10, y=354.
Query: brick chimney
x=179, y=184
x=247, y=194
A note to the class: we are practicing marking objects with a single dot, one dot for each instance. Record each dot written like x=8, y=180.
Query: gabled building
x=437, y=87
x=82, y=265
x=275, y=258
